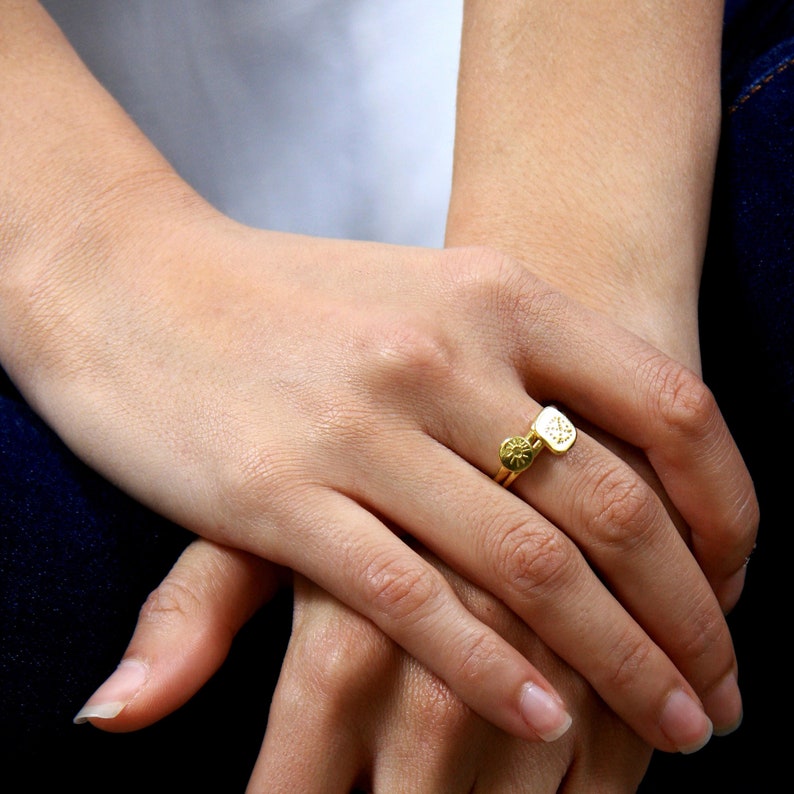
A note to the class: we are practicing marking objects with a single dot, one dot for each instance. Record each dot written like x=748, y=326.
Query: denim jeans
x=78, y=557
x=747, y=335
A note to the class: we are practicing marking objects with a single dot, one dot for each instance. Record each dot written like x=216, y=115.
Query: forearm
x=586, y=141
x=206, y=367
x=71, y=164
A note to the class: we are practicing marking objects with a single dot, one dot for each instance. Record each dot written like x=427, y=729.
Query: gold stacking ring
x=551, y=430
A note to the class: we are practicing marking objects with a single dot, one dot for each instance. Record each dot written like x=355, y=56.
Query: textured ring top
x=551, y=430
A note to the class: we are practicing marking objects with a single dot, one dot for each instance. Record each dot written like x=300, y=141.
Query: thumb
x=183, y=635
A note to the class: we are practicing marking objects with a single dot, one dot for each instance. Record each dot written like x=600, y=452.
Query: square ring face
x=555, y=430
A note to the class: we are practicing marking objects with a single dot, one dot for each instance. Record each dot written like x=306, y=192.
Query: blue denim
x=77, y=560
x=78, y=557
x=747, y=334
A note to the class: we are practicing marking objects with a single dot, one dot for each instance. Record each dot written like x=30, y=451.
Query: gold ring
x=551, y=430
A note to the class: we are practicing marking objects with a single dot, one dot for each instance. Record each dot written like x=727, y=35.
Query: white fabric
x=327, y=117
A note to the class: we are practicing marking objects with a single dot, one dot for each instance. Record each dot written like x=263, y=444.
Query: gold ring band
x=551, y=430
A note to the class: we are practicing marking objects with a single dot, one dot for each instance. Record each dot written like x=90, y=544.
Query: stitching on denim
x=764, y=81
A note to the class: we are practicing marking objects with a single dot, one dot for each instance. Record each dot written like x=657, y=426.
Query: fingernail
x=543, y=713
x=111, y=698
x=685, y=723
x=724, y=706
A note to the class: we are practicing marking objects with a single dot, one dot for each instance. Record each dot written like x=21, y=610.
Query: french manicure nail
x=543, y=713
x=116, y=693
x=685, y=723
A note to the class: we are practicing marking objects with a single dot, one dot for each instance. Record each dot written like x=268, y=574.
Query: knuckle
x=543, y=304
x=411, y=350
x=245, y=474
x=705, y=635
x=748, y=517
x=256, y=482
x=339, y=418
x=480, y=276
x=737, y=527
x=334, y=655
x=685, y=403
x=401, y=589
x=469, y=269
x=173, y=600
x=343, y=655
x=740, y=530
x=627, y=511
x=531, y=561
x=631, y=653
x=476, y=654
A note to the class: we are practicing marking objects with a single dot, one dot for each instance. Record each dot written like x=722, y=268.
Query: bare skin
x=408, y=730
x=351, y=707
x=198, y=364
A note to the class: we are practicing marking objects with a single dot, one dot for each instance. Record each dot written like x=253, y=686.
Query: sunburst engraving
x=516, y=453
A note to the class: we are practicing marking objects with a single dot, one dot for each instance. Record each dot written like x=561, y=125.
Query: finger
x=665, y=409
x=630, y=539
x=318, y=738
x=632, y=542
x=569, y=354
x=612, y=514
x=378, y=718
x=304, y=770
x=599, y=753
x=183, y=635
x=413, y=604
x=313, y=754
x=430, y=741
x=509, y=549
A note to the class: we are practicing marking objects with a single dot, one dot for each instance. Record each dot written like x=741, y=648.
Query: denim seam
x=761, y=83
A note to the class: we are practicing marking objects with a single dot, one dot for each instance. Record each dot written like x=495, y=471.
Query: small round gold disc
x=516, y=453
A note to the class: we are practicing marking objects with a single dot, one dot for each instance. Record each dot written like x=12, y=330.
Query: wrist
x=83, y=194
x=585, y=146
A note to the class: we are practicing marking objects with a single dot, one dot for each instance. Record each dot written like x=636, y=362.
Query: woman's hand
x=381, y=722
x=316, y=401
x=585, y=145
x=311, y=401
x=352, y=711
x=586, y=140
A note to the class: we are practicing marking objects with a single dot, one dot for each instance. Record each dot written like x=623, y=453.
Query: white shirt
x=325, y=117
